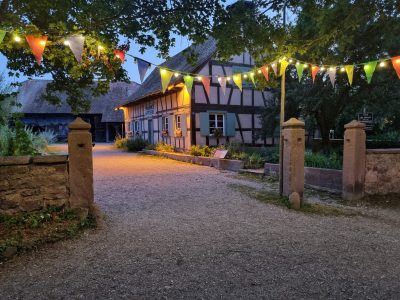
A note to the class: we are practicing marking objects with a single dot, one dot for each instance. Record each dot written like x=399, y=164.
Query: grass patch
x=26, y=231
x=309, y=208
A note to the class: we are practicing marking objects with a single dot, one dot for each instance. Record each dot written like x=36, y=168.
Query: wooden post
x=281, y=143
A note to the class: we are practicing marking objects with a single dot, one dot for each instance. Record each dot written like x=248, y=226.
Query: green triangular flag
x=189, y=83
x=251, y=75
x=165, y=78
x=284, y=65
x=349, y=71
x=369, y=69
x=300, y=69
x=237, y=79
x=2, y=35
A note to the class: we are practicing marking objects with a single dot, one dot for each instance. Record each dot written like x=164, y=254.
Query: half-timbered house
x=201, y=118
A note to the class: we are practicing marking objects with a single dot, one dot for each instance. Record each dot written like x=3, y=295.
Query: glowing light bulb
x=176, y=74
x=322, y=68
x=43, y=43
x=252, y=74
x=305, y=66
x=245, y=75
x=100, y=47
x=235, y=78
x=290, y=60
x=163, y=71
x=398, y=61
x=342, y=69
x=228, y=78
x=219, y=78
x=273, y=65
x=17, y=38
x=259, y=71
x=297, y=63
x=66, y=43
x=199, y=78
x=331, y=68
x=382, y=64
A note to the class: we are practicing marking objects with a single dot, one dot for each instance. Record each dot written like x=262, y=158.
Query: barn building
x=106, y=122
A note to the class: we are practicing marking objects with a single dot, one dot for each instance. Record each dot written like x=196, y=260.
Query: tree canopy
x=112, y=24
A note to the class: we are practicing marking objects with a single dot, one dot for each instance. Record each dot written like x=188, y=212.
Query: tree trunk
x=324, y=130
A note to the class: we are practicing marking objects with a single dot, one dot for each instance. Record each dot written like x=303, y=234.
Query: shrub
x=23, y=140
x=254, y=161
x=7, y=139
x=319, y=160
x=137, y=144
x=120, y=142
x=163, y=147
x=201, y=151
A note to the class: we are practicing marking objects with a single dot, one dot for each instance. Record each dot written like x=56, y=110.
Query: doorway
x=150, y=137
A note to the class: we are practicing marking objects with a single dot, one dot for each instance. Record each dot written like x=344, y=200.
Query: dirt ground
x=176, y=230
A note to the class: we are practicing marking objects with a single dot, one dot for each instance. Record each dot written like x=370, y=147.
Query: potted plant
x=165, y=132
x=178, y=132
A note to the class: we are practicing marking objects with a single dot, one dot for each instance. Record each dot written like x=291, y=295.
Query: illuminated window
x=216, y=123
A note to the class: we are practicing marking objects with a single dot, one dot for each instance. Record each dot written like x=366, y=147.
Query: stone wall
x=323, y=179
x=30, y=183
x=382, y=171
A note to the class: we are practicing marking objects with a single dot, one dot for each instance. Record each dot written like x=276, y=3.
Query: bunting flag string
x=222, y=83
x=37, y=45
x=349, y=70
x=332, y=75
x=165, y=78
x=369, y=69
x=300, y=70
x=237, y=79
x=396, y=65
x=206, y=83
x=143, y=66
x=76, y=43
x=188, y=83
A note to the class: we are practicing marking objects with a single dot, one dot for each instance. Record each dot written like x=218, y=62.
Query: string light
x=163, y=71
x=273, y=65
x=43, y=43
x=245, y=76
x=398, y=61
x=219, y=78
x=331, y=68
x=259, y=71
x=100, y=47
x=322, y=68
x=297, y=63
x=305, y=66
x=382, y=64
x=228, y=78
x=17, y=39
x=176, y=74
x=342, y=69
x=199, y=78
x=66, y=43
x=290, y=60
x=252, y=74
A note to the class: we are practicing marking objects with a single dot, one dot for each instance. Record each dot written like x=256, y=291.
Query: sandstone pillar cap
x=79, y=124
x=293, y=123
x=354, y=124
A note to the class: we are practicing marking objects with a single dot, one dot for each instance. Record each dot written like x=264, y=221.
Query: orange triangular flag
x=396, y=64
x=265, y=71
x=206, y=83
x=120, y=54
x=37, y=45
x=314, y=71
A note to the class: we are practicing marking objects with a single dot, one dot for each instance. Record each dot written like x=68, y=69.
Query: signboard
x=367, y=119
x=220, y=153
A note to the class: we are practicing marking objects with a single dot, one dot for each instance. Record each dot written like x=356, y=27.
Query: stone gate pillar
x=80, y=164
x=293, y=158
x=354, y=151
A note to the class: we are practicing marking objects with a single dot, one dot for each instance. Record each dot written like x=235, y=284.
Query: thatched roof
x=31, y=98
x=152, y=84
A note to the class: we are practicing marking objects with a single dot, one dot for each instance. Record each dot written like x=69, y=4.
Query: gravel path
x=176, y=230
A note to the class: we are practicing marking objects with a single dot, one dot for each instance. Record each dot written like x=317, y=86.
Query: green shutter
x=171, y=125
x=204, y=124
x=230, y=124
x=183, y=124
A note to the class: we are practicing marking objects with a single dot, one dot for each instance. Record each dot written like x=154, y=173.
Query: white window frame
x=178, y=122
x=216, y=114
x=165, y=123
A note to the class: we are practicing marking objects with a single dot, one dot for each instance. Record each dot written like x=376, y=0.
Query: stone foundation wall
x=382, y=171
x=31, y=183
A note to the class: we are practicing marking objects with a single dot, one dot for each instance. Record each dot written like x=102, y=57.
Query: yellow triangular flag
x=349, y=71
x=237, y=79
x=165, y=78
x=284, y=65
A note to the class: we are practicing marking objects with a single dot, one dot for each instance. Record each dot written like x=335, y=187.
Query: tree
x=111, y=24
x=328, y=32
